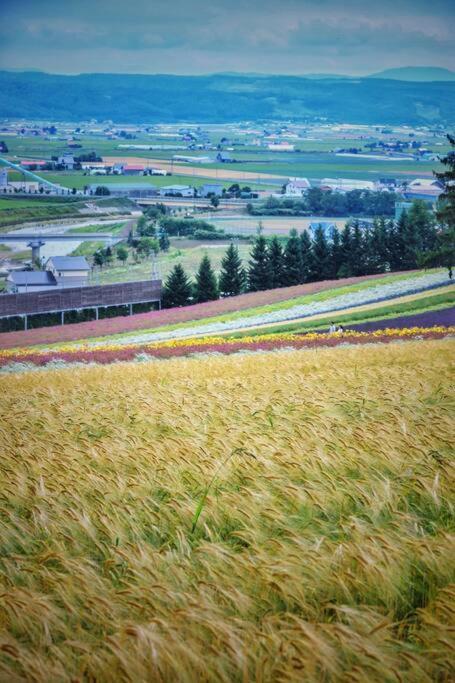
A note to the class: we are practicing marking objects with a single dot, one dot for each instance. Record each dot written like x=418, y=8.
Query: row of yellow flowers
x=206, y=341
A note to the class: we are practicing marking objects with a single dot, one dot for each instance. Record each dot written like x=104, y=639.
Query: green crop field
x=329, y=165
x=314, y=158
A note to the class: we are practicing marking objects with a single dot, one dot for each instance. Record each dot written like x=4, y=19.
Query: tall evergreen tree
x=394, y=246
x=321, y=256
x=276, y=263
x=376, y=247
x=446, y=205
x=232, y=276
x=306, y=255
x=259, y=275
x=358, y=251
x=443, y=253
x=423, y=225
x=346, y=267
x=409, y=241
x=177, y=290
x=163, y=239
x=206, y=287
x=335, y=257
x=293, y=272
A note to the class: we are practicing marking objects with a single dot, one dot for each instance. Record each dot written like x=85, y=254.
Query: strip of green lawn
x=281, y=305
x=422, y=305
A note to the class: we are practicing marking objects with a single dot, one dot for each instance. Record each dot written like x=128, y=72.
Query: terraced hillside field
x=280, y=516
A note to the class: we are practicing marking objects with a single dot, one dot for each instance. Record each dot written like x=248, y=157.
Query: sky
x=353, y=37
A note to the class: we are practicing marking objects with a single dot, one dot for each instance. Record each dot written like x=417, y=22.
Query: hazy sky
x=206, y=36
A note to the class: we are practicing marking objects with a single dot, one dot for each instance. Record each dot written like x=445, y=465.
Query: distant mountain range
x=226, y=97
x=417, y=74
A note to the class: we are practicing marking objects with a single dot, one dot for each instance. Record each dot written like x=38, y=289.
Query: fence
x=77, y=298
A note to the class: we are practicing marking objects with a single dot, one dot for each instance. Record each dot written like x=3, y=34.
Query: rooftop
x=423, y=183
x=176, y=187
x=32, y=277
x=69, y=263
x=323, y=224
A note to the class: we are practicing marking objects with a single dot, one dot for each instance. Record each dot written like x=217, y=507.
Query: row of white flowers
x=370, y=295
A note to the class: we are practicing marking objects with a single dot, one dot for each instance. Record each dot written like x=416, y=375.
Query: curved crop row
x=171, y=316
x=87, y=353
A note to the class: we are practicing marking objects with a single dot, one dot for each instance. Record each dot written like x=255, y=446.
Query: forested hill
x=223, y=98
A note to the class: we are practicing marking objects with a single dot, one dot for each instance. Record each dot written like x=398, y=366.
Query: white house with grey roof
x=60, y=271
x=69, y=271
x=23, y=281
x=177, y=191
x=296, y=187
x=211, y=189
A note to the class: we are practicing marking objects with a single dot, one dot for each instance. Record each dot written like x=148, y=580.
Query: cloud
x=294, y=35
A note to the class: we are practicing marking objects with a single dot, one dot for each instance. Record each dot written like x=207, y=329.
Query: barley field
x=280, y=516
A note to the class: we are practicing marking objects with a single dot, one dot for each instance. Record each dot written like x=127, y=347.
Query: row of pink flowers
x=170, y=316
x=229, y=346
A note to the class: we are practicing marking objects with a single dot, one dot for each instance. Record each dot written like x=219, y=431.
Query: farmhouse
x=67, y=161
x=68, y=271
x=61, y=271
x=177, y=191
x=211, y=190
x=23, y=186
x=347, y=184
x=424, y=188
x=281, y=147
x=224, y=158
x=34, y=164
x=133, y=169
x=20, y=281
x=127, y=189
x=296, y=187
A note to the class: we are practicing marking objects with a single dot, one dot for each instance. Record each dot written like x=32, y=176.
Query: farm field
x=39, y=210
x=312, y=166
x=277, y=517
x=220, y=311
x=76, y=355
x=326, y=301
x=232, y=172
x=272, y=225
x=442, y=300
x=189, y=257
x=314, y=160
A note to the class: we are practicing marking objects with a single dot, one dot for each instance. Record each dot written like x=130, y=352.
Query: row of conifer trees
x=384, y=246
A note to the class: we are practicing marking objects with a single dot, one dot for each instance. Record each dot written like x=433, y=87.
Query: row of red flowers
x=106, y=356
x=170, y=316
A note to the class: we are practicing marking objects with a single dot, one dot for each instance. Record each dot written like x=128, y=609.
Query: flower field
x=276, y=517
x=177, y=316
x=112, y=352
x=359, y=297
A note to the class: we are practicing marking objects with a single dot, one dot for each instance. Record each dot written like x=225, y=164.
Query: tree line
x=386, y=245
x=316, y=202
